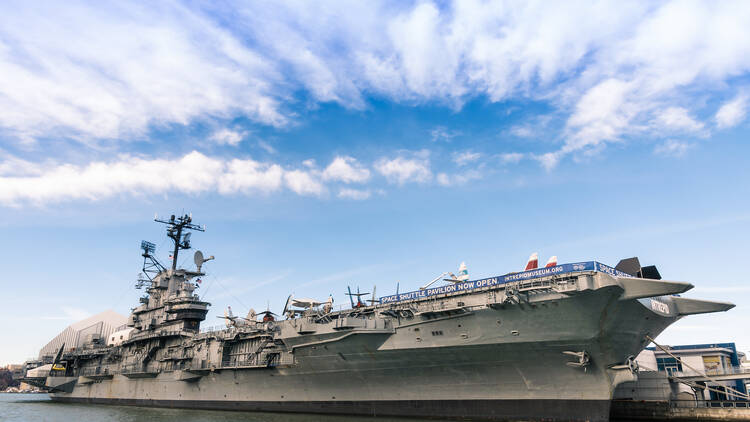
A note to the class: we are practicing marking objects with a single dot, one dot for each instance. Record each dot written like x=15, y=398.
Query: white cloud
x=465, y=157
x=248, y=175
x=677, y=118
x=462, y=178
x=401, y=170
x=671, y=52
x=76, y=70
x=600, y=115
x=511, y=157
x=672, y=148
x=303, y=183
x=347, y=170
x=194, y=173
x=356, y=194
x=732, y=113
x=228, y=137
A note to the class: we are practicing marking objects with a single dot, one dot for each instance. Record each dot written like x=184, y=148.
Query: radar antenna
x=175, y=227
x=150, y=264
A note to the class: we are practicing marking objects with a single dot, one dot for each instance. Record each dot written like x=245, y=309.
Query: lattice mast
x=175, y=228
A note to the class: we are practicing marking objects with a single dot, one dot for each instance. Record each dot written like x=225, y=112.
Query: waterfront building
x=92, y=330
x=685, y=373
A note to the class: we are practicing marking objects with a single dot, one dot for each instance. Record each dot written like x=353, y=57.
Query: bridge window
x=669, y=365
x=437, y=333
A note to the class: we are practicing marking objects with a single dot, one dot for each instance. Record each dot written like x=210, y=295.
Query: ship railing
x=91, y=348
x=135, y=368
x=731, y=370
x=253, y=360
x=91, y=371
x=730, y=404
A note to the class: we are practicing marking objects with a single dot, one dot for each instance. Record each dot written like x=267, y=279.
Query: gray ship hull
x=496, y=374
x=548, y=348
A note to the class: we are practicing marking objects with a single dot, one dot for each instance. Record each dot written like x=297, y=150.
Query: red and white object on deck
x=552, y=262
x=533, y=262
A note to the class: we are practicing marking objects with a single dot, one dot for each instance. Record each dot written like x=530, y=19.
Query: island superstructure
x=542, y=344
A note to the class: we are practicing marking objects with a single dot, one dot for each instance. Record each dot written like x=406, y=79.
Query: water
x=38, y=407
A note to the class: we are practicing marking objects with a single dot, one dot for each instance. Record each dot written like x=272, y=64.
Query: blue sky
x=365, y=144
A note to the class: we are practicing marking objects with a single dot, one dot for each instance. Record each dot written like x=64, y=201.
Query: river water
x=38, y=407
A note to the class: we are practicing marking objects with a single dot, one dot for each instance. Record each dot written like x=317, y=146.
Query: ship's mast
x=175, y=227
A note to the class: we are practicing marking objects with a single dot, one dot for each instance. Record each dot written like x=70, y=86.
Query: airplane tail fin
x=552, y=262
x=463, y=272
x=533, y=262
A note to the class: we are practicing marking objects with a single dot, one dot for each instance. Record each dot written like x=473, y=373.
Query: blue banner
x=508, y=278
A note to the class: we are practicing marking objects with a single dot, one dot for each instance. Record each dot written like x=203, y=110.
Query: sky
x=334, y=144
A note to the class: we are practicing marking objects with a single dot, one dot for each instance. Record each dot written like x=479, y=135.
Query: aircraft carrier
x=547, y=343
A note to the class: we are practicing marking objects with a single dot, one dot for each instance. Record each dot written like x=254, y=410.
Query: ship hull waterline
x=496, y=410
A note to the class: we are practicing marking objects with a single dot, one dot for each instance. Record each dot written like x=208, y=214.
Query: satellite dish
x=186, y=240
x=198, y=259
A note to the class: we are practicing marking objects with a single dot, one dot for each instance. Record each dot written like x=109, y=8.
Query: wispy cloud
x=14, y=166
x=441, y=133
x=235, y=288
x=465, y=157
x=522, y=131
x=664, y=228
x=732, y=113
x=265, y=146
x=458, y=179
x=341, y=275
x=69, y=313
x=511, y=157
x=355, y=194
x=722, y=289
x=672, y=147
